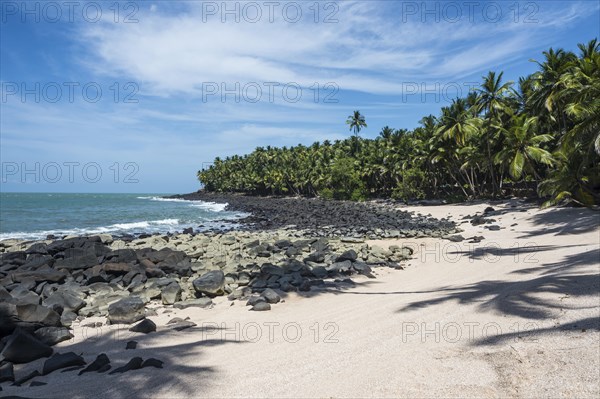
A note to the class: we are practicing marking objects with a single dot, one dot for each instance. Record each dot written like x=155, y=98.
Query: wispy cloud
x=373, y=54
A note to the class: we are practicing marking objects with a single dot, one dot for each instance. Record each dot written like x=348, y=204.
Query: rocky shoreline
x=317, y=217
x=286, y=246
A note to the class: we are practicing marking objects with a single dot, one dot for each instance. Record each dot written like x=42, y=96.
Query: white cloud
x=366, y=51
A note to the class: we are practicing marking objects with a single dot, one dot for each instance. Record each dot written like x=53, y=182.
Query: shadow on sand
x=528, y=298
x=183, y=373
x=564, y=221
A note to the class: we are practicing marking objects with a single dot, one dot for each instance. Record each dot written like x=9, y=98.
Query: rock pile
x=46, y=286
x=323, y=218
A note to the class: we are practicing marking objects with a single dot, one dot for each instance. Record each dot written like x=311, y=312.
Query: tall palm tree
x=492, y=101
x=356, y=122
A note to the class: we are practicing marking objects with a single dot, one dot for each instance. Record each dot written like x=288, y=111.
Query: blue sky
x=137, y=98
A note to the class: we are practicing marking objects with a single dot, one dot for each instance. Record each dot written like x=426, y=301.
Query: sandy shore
x=516, y=315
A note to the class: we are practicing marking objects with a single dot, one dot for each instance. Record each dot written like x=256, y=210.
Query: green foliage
x=326, y=193
x=496, y=141
x=411, y=185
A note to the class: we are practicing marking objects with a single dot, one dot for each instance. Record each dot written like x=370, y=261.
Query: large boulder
x=210, y=283
x=126, y=311
x=22, y=347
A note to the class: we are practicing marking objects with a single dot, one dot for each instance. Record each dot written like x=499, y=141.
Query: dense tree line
x=541, y=135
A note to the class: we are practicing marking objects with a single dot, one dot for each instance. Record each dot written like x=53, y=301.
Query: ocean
x=36, y=215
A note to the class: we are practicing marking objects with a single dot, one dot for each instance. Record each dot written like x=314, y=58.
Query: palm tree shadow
x=529, y=299
x=182, y=371
x=564, y=221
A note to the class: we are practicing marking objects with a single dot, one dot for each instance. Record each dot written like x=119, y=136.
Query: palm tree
x=458, y=122
x=493, y=102
x=522, y=148
x=356, y=122
x=548, y=132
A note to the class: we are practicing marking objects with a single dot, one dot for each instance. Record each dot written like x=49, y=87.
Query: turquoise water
x=35, y=215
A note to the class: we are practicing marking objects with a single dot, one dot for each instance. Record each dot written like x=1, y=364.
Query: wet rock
x=126, y=311
x=145, y=326
x=62, y=360
x=131, y=345
x=22, y=347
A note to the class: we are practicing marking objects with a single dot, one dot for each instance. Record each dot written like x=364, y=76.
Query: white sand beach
x=516, y=315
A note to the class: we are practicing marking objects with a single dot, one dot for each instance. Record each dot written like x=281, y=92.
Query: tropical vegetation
x=540, y=137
